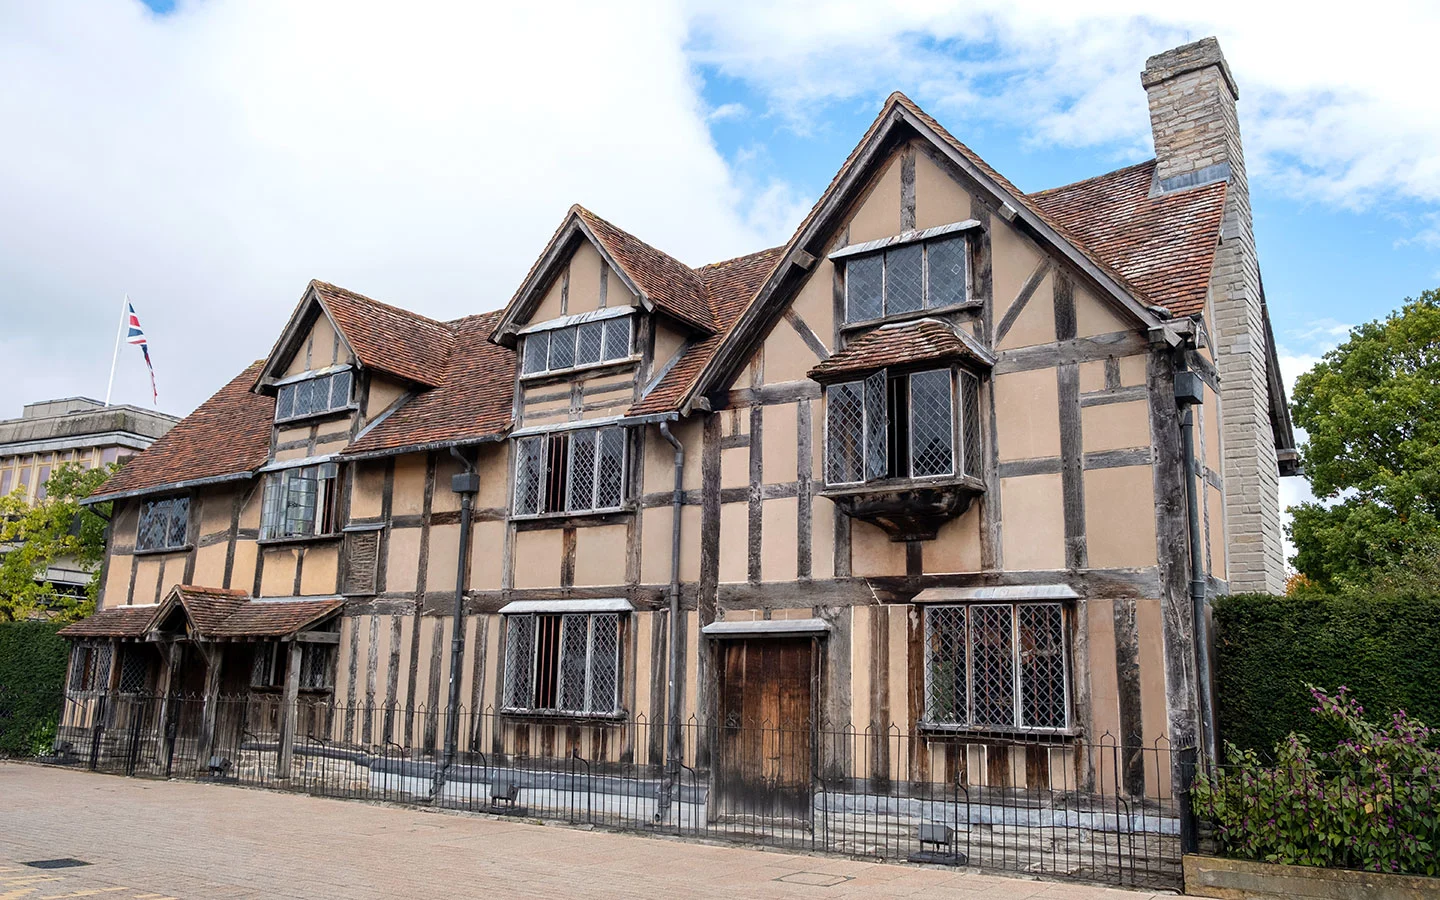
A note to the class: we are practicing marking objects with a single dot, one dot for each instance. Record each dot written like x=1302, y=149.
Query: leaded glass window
x=314, y=396
x=990, y=665
x=570, y=471
x=585, y=344
x=903, y=425
x=163, y=524
x=566, y=663
x=906, y=279
x=300, y=502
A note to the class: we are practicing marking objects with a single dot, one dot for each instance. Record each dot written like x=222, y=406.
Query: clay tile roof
x=729, y=286
x=208, y=608
x=921, y=341
x=226, y=435
x=1163, y=245
x=388, y=338
x=276, y=618
x=473, y=400
x=116, y=622
x=670, y=284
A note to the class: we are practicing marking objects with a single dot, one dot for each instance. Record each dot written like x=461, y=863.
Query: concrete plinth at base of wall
x=1234, y=879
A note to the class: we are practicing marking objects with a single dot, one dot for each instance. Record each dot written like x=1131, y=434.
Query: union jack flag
x=137, y=337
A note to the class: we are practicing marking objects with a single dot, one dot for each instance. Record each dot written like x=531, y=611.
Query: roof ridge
x=1075, y=184
x=380, y=303
x=585, y=213
x=735, y=259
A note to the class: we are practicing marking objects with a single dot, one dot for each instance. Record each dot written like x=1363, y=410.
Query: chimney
x=1192, y=96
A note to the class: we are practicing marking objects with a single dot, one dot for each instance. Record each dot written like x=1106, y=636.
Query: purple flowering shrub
x=1370, y=803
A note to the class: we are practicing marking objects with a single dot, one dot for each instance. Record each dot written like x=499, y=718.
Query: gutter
x=166, y=488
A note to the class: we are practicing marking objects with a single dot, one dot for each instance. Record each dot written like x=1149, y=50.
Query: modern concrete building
x=77, y=430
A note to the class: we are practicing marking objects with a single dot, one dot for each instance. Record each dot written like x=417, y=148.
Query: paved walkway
x=154, y=840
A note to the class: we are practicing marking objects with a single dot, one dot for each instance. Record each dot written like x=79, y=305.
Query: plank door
x=763, y=761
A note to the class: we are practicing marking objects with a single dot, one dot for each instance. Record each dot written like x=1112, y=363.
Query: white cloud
x=211, y=162
x=1334, y=107
x=726, y=111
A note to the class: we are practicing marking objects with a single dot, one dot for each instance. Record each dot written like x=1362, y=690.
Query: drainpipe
x=466, y=484
x=673, y=750
x=1189, y=393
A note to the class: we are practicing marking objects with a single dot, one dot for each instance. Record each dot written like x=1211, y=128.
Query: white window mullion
x=1017, y=691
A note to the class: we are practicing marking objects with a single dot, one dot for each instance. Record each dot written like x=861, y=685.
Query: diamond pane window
x=582, y=470
x=134, y=668
x=945, y=272
x=285, y=402
x=845, y=433
x=610, y=481
x=570, y=471
x=529, y=467
x=300, y=502
x=537, y=352
x=340, y=389
x=563, y=664
x=304, y=398
x=617, y=338
x=877, y=456
x=562, y=348
x=904, y=279
x=997, y=666
x=931, y=424
x=163, y=524
x=864, y=288
x=314, y=396
x=588, y=343
x=970, y=424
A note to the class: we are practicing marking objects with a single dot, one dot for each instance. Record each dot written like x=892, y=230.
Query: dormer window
x=903, y=425
x=314, y=396
x=897, y=277
x=571, y=346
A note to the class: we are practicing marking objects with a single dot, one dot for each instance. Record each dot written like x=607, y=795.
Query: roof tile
x=388, y=338
x=921, y=341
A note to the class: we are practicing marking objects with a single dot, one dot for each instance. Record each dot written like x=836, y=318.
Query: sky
x=209, y=157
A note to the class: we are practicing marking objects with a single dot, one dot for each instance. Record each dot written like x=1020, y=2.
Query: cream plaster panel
x=734, y=542
x=278, y=579
x=331, y=446
x=117, y=582
x=1132, y=370
x=644, y=660
x=494, y=468
x=1115, y=426
x=1119, y=517
x=172, y=573
x=822, y=538
x=216, y=508
x=815, y=303
x=1092, y=376
x=367, y=491
x=1036, y=322
x=862, y=624
x=879, y=213
x=383, y=392
x=1149, y=622
x=1219, y=566
x=585, y=267
x=617, y=294
x=779, y=528
x=956, y=547
x=1212, y=430
x=444, y=499
x=787, y=357
x=147, y=578
x=655, y=545
x=608, y=406
x=1012, y=258
x=1104, y=681
x=321, y=574
x=486, y=556
x=408, y=497
x=779, y=448
x=294, y=433
x=939, y=199
x=735, y=467
x=873, y=553
x=255, y=496
x=1027, y=416
x=537, y=558
x=292, y=454
x=689, y=547
x=600, y=555
x=550, y=307
x=210, y=565
x=402, y=665
x=1096, y=316
x=1034, y=524
x=321, y=345
x=668, y=342
x=403, y=563
x=444, y=557
x=242, y=573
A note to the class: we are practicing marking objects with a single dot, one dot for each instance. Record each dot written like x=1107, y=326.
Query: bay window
x=892, y=425
x=1001, y=666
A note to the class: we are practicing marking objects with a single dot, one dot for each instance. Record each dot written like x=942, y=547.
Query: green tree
x=35, y=536
x=1371, y=408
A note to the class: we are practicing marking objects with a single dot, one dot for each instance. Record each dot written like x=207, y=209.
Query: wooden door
x=763, y=759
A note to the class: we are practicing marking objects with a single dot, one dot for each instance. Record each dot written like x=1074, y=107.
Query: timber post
x=286, y=756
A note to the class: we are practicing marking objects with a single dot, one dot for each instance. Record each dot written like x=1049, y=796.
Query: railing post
x=1189, y=824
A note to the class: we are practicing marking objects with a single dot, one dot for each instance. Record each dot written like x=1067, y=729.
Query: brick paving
x=155, y=840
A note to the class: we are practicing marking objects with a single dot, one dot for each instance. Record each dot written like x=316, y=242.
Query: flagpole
x=124, y=308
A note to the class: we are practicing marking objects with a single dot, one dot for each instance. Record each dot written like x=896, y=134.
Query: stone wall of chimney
x=1192, y=98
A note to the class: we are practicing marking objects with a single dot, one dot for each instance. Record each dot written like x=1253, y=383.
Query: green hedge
x=1386, y=649
x=32, y=682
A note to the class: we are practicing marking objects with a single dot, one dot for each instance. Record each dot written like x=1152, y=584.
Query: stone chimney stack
x=1192, y=97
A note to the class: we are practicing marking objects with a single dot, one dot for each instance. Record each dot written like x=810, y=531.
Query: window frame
x=270, y=666
x=168, y=545
x=548, y=334
x=1017, y=675
x=562, y=444
x=960, y=429
x=927, y=307
x=90, y=667
x=530, y=669
x=324, y=516
x=293, y=384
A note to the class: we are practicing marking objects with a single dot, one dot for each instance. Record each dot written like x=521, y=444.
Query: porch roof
x=114, y=622
x=220, y=614
x=907, y=343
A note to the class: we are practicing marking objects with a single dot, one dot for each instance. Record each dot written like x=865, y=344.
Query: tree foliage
x=35, y=536
x=1371, y=409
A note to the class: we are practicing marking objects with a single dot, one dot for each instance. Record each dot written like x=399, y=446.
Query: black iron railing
x=1038, y=804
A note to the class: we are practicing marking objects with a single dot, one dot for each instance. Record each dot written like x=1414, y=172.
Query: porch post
x=288, y=713
x=112, y=683
x=171, y=651
x=213, y=657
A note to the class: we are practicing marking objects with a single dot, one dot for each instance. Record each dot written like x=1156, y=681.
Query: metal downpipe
x=1198, y=605
x=673, y=740
x=466, y=484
